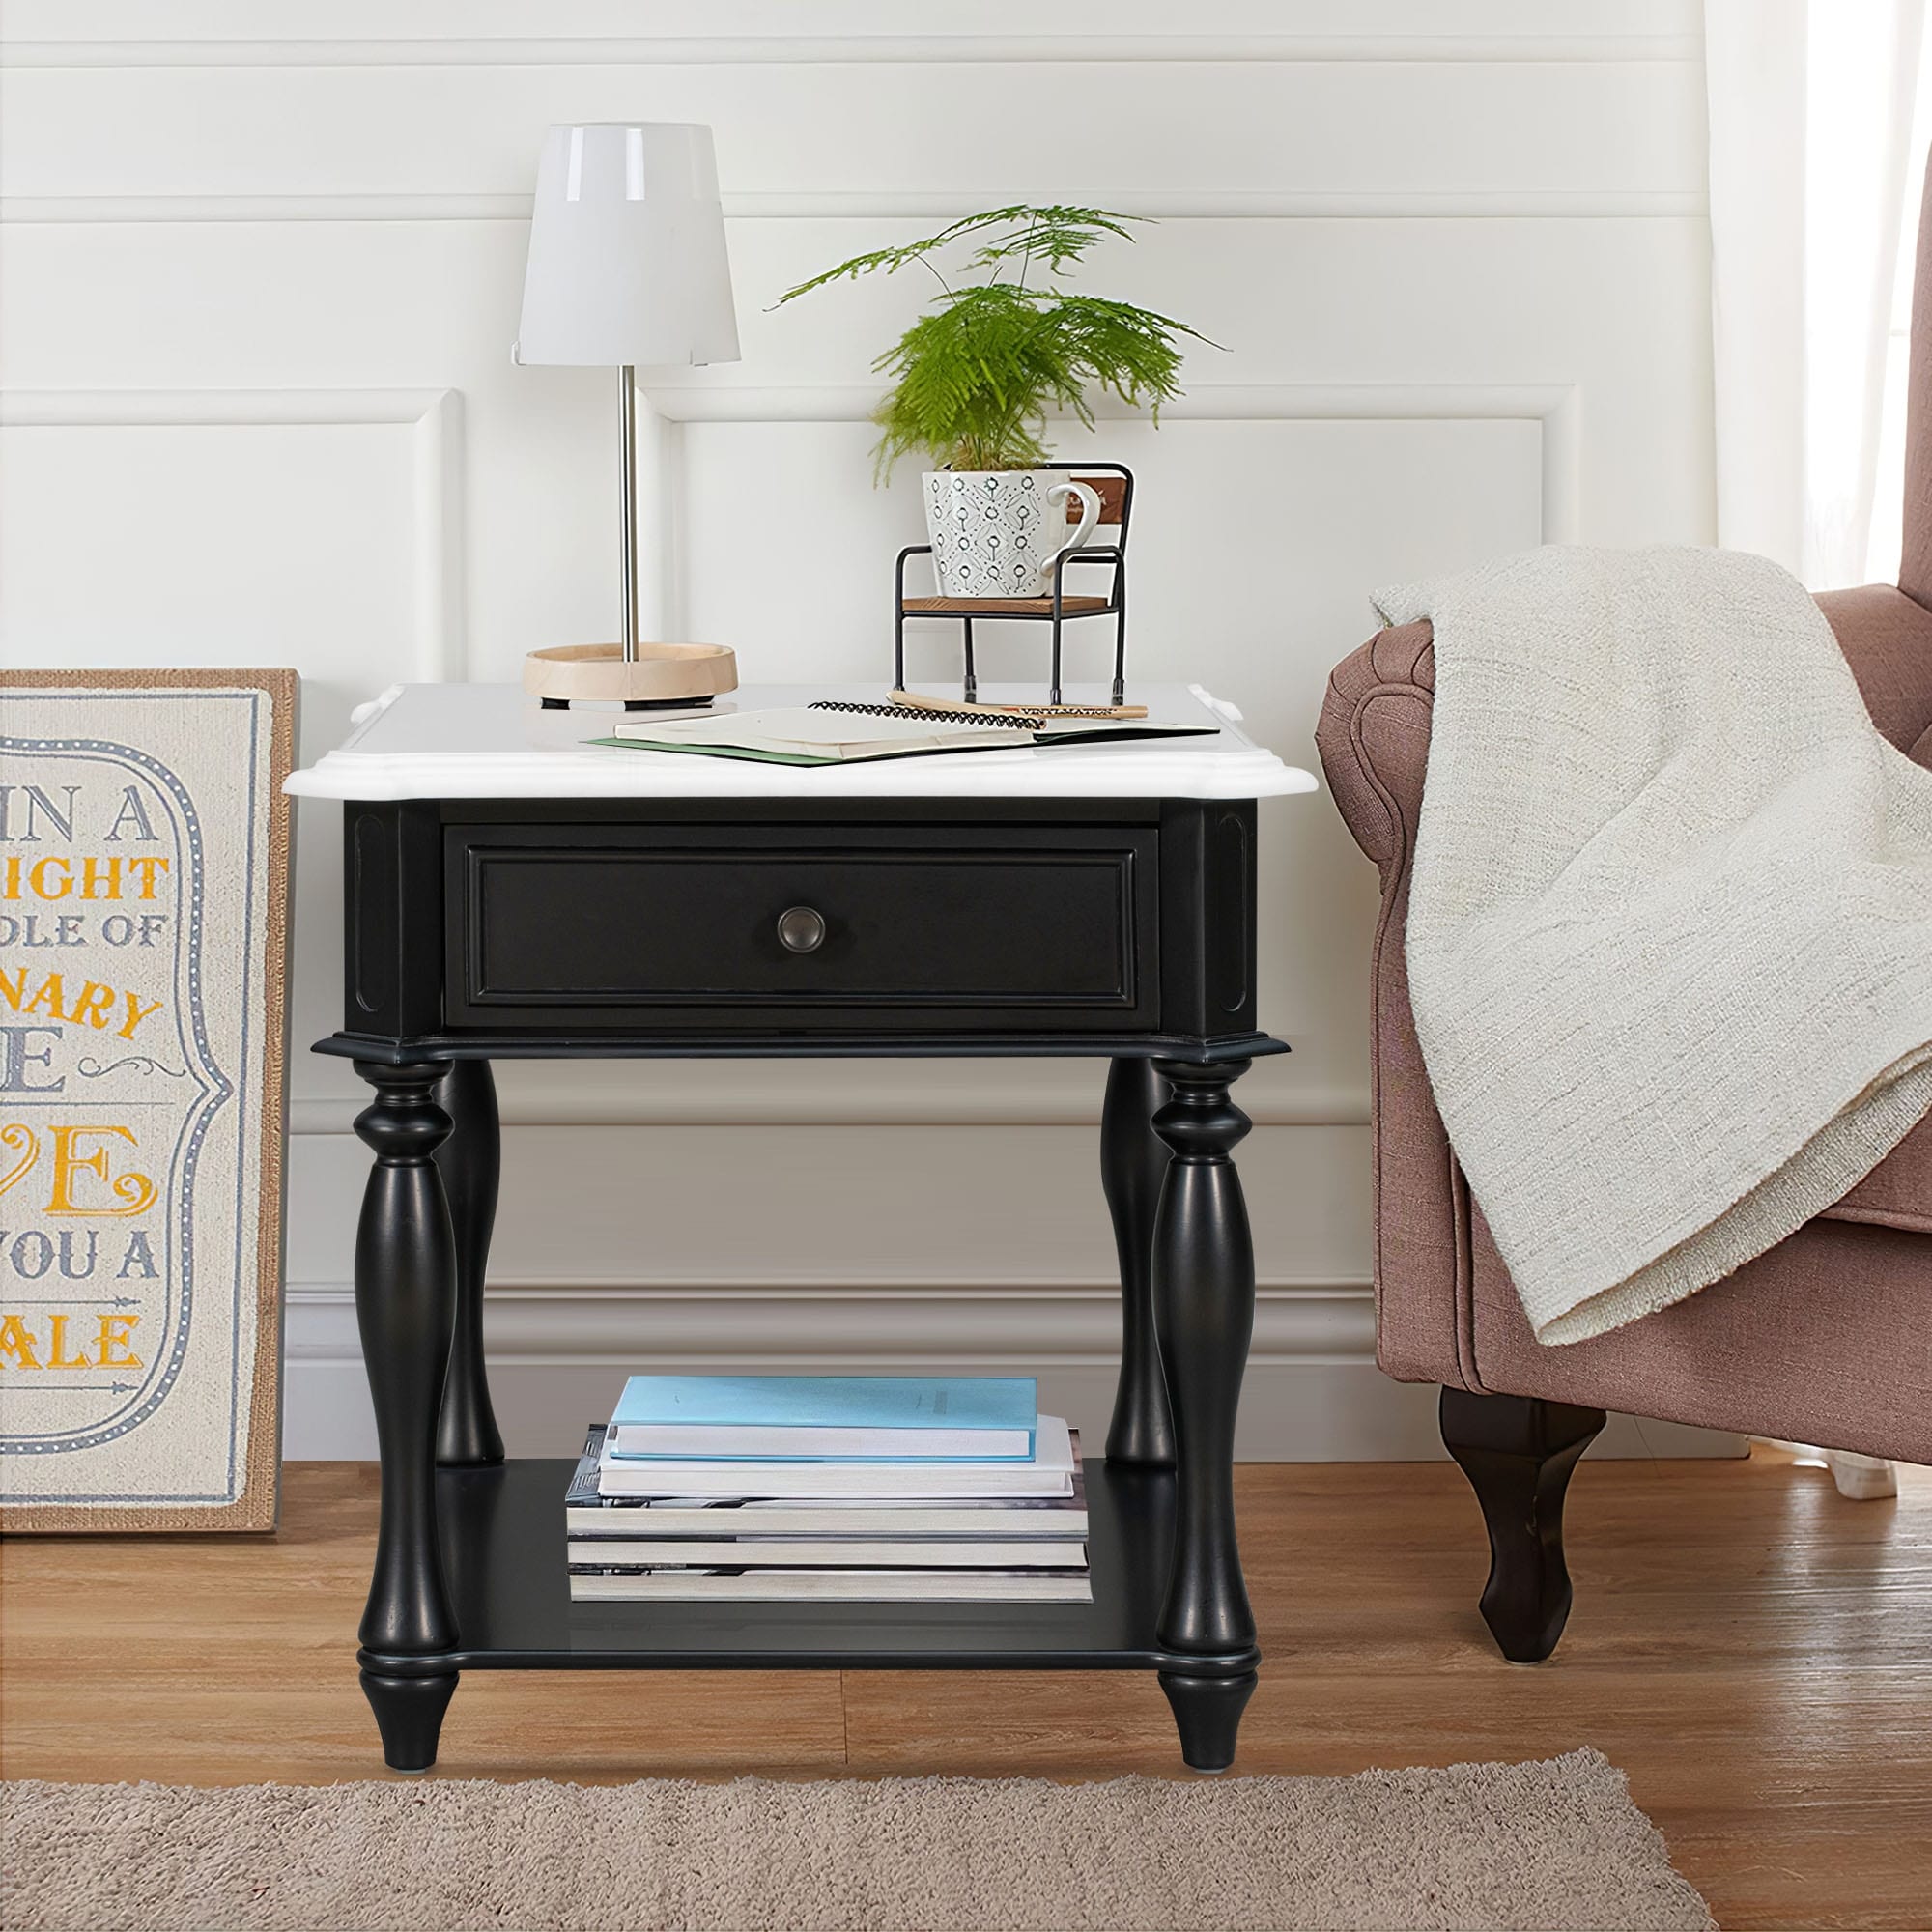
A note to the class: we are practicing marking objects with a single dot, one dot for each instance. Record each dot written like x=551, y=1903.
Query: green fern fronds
x=1053, y=235
x=977, y=376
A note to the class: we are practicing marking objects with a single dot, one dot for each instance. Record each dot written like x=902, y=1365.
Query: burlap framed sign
x=144, y=915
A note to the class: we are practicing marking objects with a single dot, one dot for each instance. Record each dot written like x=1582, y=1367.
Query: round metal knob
x=801, y=929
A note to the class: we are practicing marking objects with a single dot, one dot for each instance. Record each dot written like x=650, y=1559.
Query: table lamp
x=627, y=267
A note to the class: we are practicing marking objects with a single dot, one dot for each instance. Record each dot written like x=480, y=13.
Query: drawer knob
x=801, y=929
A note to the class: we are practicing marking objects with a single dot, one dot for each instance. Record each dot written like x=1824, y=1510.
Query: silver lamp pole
x=627, y=506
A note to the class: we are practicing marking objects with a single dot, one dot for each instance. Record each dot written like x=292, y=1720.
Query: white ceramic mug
x=1002, y=532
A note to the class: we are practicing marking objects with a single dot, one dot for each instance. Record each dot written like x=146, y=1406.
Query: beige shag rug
x=1556, y=1844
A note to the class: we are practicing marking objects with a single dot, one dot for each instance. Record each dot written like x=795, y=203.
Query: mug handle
x=1090, y=516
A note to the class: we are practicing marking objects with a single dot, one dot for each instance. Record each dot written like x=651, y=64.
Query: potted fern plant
x=975, y=378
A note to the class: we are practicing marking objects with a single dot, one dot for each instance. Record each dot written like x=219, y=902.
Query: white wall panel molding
x=458, y=20
x=558, y=1355
x=865, y=49
x=1233, y=204
x=434, y=415
x=1556, y=408
x=1204, y=402
x=828, y=1100
x=772, y=1323
x=1416, y=131
x=201, y=409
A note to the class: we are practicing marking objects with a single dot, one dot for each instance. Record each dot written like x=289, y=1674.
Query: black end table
x=512, y=894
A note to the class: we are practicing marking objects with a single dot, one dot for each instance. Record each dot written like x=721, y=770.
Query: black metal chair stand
x=1114, y=484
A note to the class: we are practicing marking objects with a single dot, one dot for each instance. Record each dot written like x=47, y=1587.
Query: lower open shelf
x=504, y=1556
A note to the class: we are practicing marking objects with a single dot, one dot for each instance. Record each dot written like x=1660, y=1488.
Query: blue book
x=826, y=1418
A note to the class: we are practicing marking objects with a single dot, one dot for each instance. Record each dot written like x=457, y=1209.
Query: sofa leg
x=1863, y=1479
x=1517, y=1452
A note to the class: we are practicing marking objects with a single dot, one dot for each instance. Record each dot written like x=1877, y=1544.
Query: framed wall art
x=144, y=914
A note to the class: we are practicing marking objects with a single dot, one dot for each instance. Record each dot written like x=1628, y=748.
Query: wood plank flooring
x=1754, y=1650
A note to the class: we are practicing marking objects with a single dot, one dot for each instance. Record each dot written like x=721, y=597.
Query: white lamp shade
x=627, y=259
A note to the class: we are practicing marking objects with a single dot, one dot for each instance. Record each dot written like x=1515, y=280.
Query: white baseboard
x=558, y=1356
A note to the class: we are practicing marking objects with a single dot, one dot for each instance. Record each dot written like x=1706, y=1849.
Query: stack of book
x=881, y=1488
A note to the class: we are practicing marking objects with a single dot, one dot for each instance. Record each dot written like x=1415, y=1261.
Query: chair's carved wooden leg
x=1517, y=1452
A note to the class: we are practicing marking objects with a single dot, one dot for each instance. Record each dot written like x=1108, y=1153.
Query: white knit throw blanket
x=1670, y=927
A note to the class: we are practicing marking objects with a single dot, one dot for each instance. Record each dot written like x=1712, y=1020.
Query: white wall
x=260, y=278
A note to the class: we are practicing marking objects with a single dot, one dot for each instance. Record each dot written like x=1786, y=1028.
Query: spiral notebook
x=834, y=733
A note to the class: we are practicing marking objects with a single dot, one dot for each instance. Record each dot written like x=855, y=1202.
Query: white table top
x=494, y=741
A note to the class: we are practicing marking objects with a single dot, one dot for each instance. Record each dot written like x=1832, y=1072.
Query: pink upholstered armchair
x=1825, y=1339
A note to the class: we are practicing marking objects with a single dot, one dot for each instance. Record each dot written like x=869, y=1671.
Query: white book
x=850, y=1586
x=831, y=1516
x=776, y=1553
x=1049, y=1473
x=589, y=1515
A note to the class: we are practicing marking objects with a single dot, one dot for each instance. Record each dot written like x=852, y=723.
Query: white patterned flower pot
x=1001, y=533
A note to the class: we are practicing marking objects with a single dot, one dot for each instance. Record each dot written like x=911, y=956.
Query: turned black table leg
x=1204, y=1295
x=405, y=1306
x=1134, y=1165
x=470, y=1161
x=1518, y=1453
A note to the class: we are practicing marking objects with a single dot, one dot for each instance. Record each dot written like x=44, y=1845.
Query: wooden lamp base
x=658, y=674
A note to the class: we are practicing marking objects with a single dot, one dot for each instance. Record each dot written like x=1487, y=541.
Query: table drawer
x=764, y=927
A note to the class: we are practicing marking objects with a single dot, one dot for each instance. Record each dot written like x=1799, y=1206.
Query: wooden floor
x=1754, y=1650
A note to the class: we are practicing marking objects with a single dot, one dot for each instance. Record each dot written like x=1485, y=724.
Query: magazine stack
x=881, y=1488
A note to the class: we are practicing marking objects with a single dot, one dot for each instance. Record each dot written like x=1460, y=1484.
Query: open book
x=830, y=733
